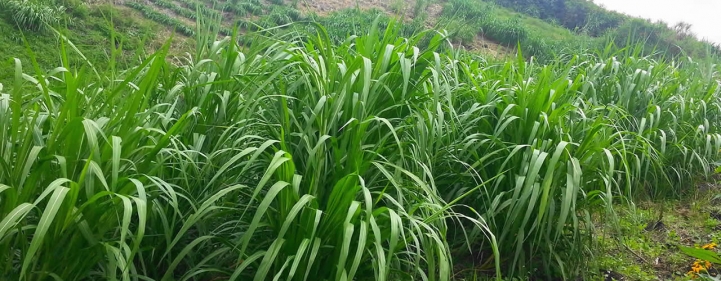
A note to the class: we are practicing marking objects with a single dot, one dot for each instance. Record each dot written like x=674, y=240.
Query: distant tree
x=683, y=30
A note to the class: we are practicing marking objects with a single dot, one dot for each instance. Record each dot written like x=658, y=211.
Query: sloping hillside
x=429, y=13
x=405, y=9
x=492, y=28
x=143, y=25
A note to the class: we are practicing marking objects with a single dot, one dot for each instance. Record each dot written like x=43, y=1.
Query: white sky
x=703, y=15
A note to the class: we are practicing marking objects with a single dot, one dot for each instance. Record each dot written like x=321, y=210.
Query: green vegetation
x=577, y=15
x=346, y=23
x=184, y=12
x=162, y=18
x=299, y=159
x=245, y=7
x=280, y=15
x=33, y=15
x=638, y=248
x=253, y=196
x=351, y=146
x=90, y=30
x=199, y=6
x=585, y=17
x=467, y=18
x=571, y=26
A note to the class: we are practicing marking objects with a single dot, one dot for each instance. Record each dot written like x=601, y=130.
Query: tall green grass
x=575, y=134
x=34, y=15
x=295, y=158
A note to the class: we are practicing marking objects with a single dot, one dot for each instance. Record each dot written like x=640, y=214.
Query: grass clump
x=162, y=18
x=244, y=7
x=202, y=7
x=33, y=14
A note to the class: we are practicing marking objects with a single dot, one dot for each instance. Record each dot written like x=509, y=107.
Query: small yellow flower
x=709, y=246
x=698, y=266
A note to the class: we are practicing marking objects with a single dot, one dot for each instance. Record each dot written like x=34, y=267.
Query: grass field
x=298, y=158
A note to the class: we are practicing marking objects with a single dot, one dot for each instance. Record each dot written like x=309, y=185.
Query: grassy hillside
x=585, y=17
x=100, y=31
x=555, y=28
x=487, y=27
x=356, y=144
